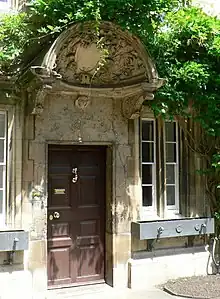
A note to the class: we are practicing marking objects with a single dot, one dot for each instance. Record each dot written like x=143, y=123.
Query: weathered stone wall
x=16, y=277
x=62, y=122
x=100, y=123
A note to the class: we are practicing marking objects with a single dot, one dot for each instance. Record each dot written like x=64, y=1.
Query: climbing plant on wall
x=187, y=48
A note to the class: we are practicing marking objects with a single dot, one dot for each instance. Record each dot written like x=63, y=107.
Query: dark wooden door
x=76, y=215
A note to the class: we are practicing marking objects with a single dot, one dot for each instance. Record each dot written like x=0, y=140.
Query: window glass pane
x=2, y=150
x=146, y=174
x=2, y=125
x=170, y=131
x=147, y=196
x=170, y=195
x=1, y=201
x=1, y=176
x=170, y=152
x=148, y=130
x=147, y=152
x=170, y=174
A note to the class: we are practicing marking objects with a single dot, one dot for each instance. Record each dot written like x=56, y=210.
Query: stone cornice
x=131, y=96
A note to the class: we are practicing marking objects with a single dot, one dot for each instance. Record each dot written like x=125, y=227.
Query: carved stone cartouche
x=80, y=57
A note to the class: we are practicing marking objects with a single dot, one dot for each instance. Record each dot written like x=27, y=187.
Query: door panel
x=76, y=214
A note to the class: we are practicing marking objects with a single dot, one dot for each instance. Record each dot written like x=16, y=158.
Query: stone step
x=106, y=292
x=82, y=291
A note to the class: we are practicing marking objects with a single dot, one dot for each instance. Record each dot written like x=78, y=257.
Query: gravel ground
x=199, y=287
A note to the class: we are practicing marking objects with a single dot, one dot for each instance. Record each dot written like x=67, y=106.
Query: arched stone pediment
x=115, y=58
x=115, y=65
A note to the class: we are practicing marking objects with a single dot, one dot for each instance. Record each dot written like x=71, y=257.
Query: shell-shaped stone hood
x=115, y=57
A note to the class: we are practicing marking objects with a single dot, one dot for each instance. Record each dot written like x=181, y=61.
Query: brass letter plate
x=59, y=191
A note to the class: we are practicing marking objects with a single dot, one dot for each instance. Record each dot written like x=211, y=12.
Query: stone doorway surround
x=109, y=170
x=69, y=102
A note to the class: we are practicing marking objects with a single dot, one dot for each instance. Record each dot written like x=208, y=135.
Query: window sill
x=152, y=215
x=173, y=215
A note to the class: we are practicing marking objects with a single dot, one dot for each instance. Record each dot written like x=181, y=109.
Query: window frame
x=174, y=208
x=4, y=172
x=170, y=211
x=148, y=210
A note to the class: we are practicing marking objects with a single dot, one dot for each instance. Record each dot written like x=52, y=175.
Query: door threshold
x=93, y=291
x=83, y=290
x=75, y=285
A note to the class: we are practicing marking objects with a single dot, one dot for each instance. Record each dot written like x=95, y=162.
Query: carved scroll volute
x=37, y=98
x=131, y=106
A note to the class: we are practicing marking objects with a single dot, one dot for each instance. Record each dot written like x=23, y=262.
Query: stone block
x=37, y=255
x=138, y=245
x=121, y=249
x=37, y=151
x=29, y=127
x=120, y=276
x=158, y=268
x=28, y=171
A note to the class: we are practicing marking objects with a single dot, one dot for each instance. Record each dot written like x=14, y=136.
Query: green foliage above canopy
x=188, y=55
x=44, y=19
x=187, y=52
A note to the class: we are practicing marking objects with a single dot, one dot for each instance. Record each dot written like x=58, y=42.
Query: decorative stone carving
x=37, y=98
x=79, y=59
x=82, y=102
x=39, y=102
x=131, y=106
x=45, y=73
x=76, y=65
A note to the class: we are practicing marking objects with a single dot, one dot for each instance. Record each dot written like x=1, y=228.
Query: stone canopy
x=84, y=64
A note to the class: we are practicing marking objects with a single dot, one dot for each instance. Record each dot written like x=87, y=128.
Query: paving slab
x=106, y=292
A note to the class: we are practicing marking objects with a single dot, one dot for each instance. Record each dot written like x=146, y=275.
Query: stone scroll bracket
x=36, y=98
x=132, y=104
x=39, y=100
x=38, y=87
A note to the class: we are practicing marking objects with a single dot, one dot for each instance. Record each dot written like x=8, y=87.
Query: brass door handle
x=56, y=215
x=75, y=178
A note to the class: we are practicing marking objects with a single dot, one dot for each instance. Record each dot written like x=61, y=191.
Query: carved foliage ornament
x=36, y=98
x=82, y=102
x=132, y=105
x=79, y=59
